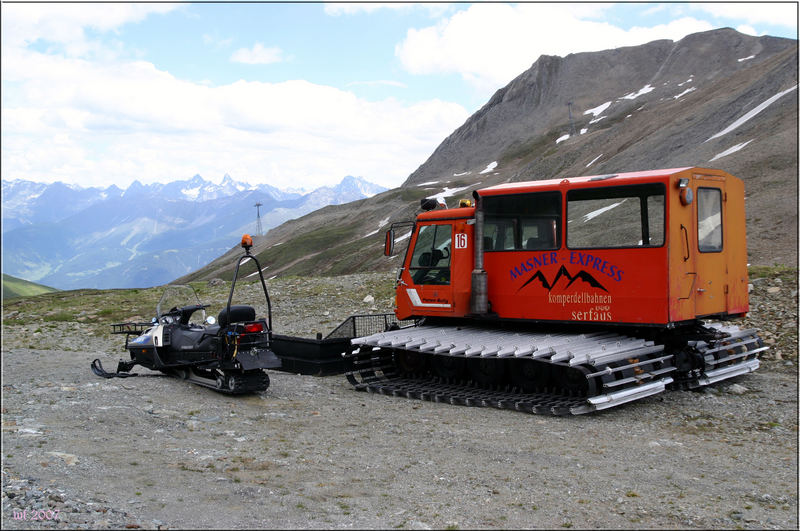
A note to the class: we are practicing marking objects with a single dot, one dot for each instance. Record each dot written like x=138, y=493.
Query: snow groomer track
x=541, y=373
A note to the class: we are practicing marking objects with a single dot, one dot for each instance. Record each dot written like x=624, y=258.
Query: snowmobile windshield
x=179, y=296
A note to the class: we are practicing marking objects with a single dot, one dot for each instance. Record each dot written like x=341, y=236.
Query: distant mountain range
x=71, y=237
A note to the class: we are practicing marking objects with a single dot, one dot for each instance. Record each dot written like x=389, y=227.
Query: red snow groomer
x=569, y=295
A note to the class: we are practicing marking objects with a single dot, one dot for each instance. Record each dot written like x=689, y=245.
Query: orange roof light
x=247, y=241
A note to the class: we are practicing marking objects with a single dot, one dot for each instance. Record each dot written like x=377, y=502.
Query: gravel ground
x=153, y=452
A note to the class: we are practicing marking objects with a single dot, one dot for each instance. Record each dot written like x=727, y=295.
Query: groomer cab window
x=430, y=261
x=522, y=222
x=616, y=216
x=709, y=220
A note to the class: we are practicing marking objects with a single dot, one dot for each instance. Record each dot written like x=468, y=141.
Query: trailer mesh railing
x=365, y=325
x=130, y=328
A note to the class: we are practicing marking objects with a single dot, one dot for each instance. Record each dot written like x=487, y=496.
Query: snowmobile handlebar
x=184, y=313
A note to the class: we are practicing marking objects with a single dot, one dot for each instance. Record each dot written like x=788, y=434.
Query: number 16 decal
x=461, y=241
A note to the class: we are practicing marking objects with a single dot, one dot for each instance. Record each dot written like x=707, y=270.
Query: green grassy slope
x=17, y=287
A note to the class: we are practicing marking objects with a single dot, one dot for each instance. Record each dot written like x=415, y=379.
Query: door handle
x=686, y=240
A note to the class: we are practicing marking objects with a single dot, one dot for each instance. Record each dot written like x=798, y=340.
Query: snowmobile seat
x=194, y=338
x=239, y=313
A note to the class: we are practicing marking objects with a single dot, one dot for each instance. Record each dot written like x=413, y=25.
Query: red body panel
x=612, y=285
x=670, y=281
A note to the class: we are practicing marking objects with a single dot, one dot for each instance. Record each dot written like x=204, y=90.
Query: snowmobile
x=228, y=354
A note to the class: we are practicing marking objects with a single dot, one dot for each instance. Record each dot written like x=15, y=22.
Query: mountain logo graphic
x=563, y=273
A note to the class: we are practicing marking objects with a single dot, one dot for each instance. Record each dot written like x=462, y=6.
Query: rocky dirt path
x=152, y=452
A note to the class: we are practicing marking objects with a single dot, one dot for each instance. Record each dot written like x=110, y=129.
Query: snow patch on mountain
x=447, y=192
x=747, y=116
x=633, y=95
x=685, y=92
x=489, y=167
x=594, y=160
x=595, y=111
x=730, y=150
x=381, y=223
x=191, y=193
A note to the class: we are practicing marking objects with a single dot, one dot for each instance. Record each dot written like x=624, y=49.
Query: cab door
x=427, y=273
x=710, y=251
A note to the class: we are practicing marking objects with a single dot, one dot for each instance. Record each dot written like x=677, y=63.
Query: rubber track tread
x=463, y=393
x=434, y=391
x=374, y=371
x=249, y=382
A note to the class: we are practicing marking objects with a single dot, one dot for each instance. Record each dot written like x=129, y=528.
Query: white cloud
x=490, y=44
x=258, y=55
x=355, y=8
x=777, y=13
x=73, y=114
x=344, y=8
x=747, y=30
x=64, y=23
x=99, y=122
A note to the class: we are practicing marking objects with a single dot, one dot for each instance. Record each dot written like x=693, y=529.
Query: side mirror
x=388, y=245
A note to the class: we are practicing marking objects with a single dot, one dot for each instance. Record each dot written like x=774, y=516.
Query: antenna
x=258, y=218
x=571, y=124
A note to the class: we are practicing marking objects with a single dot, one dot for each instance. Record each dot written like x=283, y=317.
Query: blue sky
x=296, y=95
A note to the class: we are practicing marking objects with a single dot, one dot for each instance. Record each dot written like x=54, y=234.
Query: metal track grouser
x=555, y=374
x=569, y=296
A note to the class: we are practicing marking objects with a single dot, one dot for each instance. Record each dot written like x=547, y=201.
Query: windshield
x=430, y=260
x=178, y=296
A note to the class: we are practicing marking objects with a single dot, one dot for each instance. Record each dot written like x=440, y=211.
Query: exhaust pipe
x=479, y=296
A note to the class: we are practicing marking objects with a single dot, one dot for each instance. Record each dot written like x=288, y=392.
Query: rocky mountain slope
x=686, y=91
x=717, y=99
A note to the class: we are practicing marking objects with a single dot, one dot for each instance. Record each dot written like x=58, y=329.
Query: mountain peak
x=358, y=186
x=644, y=86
